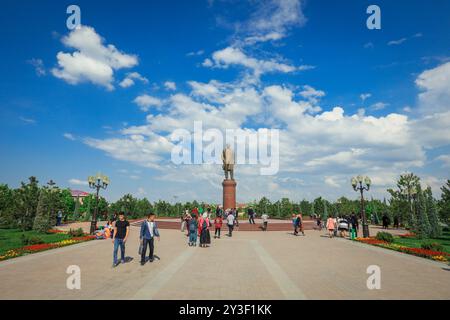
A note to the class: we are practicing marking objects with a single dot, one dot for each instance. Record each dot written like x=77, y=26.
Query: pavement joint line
x=289, y=289
x=154, y=283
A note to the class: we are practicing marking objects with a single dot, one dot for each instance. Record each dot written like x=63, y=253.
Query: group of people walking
x=147, y=234
x=342, y=225
x=198, y=222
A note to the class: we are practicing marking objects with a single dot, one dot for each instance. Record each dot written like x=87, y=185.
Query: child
x=218, y=221
x=193, y=225
x=330, y=226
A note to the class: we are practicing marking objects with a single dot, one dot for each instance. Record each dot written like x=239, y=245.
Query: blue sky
x=61, y=122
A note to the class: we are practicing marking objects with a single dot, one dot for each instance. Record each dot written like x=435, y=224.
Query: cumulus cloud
x=170, y=85
x=92, y=60
x=145, y=102
x=272, y=19
x=69, y=136
x=235, y=56
x=434, y=84
x=129, y=80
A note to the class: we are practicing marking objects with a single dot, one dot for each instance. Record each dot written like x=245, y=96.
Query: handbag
x=141, y=247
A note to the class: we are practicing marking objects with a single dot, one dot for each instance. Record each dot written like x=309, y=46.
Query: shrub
x=31, y=240
x=76, y=232
x=429, y=245
x=385, y=236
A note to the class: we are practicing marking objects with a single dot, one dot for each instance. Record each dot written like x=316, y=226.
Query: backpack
x=192, y=226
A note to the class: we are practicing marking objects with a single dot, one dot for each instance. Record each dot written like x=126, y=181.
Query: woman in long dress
x=203, y=230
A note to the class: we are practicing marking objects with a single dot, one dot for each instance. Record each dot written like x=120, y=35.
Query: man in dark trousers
x=121, y=230
x=251, y=215
x=149, y=230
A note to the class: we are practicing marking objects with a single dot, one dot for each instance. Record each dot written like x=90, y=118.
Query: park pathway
x=251, y=265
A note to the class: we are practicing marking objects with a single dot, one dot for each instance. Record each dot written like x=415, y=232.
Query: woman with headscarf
x=203, y=230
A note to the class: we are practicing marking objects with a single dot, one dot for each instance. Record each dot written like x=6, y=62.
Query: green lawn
x=11, y=238
x=444, y=240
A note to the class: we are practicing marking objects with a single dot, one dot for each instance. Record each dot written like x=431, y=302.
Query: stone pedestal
x=229, y=194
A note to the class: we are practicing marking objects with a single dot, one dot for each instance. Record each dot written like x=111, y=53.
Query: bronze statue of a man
x=228, y=162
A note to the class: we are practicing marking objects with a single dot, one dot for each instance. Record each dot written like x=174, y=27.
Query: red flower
x=425, y=252
x=39, y=247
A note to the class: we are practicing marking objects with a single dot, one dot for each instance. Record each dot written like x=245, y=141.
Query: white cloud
x=195, y=53
x=92, y=61
x=407, y=109
x=69, y=136
x=330, y=181
x=141, y=192
x=445, y=159
x=312, y=94
x=146, y=151
x=397, y=42
x=365, y=96
x=78, y=182
x=27, y=120
x=434, y=83
x=38, y=65
x=379, y=106
x=145, y=102
x=272, y=36
x=129, y=80
x=275, y=16
x=170, y=85
x=235, y=56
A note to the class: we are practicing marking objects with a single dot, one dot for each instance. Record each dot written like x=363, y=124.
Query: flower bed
x=44, y=246
x=429, y=254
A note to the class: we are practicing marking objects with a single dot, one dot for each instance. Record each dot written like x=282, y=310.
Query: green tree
x=67, y=203
x=263, y=206
x=76, y=211
x=422, y=225
x=306, y=207
x=26, y=203
x=88, y=207
x=42, y=219
x=401, y=199
x=144, y=207
x=444, y=203
x=286, y=208
x=7, y=219
x=318, y=207
x=433, y=217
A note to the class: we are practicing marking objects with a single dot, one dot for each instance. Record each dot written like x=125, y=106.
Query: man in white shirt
x=265, y=219
x=230, y=223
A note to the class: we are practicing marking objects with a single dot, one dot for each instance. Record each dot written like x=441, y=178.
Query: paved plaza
x=250, y=265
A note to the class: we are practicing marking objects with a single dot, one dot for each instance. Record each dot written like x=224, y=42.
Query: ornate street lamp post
x=98, y=182
x=360, y=184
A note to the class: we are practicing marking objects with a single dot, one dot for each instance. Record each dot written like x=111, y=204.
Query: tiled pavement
x=250, y=265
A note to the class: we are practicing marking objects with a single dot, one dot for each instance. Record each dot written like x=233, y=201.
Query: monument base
x=229, y=194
